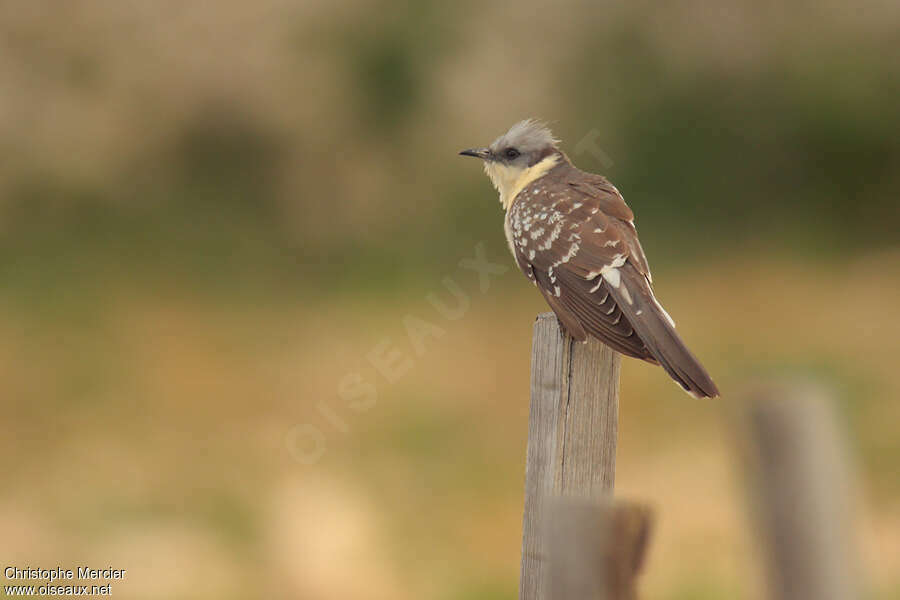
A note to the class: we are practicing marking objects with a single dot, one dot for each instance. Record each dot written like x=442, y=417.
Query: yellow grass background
x=177, y=464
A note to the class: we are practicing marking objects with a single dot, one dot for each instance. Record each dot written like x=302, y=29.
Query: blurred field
x=169, y=447
x=209, y=218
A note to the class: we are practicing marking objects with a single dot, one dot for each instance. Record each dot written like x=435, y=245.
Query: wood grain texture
x=571, y=435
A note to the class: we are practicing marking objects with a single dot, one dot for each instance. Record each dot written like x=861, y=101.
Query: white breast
x=507, y=229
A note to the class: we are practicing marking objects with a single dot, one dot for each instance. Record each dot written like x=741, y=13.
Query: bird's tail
x=657, y=330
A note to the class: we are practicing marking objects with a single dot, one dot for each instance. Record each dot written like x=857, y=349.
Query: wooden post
x=596, y=548
x=801, y=486
x=571, y=436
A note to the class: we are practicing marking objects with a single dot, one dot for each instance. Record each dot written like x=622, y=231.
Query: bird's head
x=525, y=144
x=527, y=150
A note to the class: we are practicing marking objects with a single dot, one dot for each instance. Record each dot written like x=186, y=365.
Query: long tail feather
x=657, y=331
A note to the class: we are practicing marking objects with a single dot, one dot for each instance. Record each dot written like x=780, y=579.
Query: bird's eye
x=511, y=153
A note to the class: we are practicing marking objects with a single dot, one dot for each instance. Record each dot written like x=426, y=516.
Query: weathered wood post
x=801, y=487
x=571, y=436
x=596, y=548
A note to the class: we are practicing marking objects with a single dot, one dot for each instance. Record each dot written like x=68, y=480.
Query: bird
x=574, y=237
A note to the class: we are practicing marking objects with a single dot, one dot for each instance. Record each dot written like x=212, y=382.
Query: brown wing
x=610, y=201
x=574, y=237
x=563, y=238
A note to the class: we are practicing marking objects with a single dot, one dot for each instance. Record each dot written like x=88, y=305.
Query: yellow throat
x=509, y=180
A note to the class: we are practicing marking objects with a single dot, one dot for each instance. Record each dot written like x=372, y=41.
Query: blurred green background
x=211, y=215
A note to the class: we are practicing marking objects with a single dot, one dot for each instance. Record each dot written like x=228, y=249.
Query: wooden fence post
x=571, y=436
x=800, y=483
x=596, y=549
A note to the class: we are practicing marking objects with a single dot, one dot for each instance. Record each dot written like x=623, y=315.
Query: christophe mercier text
x=61, y=579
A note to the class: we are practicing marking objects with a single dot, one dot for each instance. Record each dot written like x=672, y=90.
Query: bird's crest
x=527, y=136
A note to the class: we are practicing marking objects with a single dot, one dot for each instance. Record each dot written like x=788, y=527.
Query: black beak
x=482, y=153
